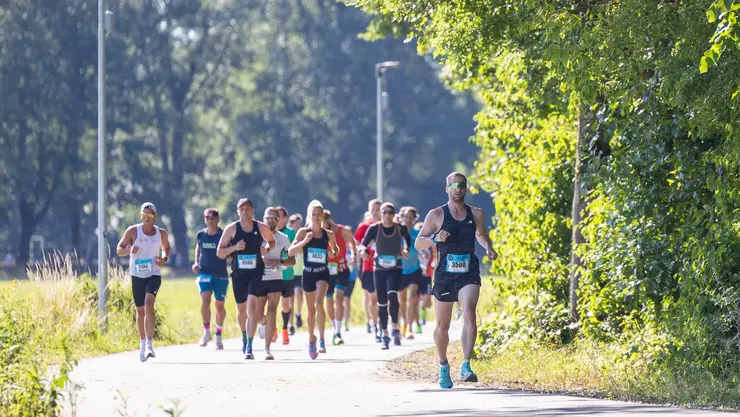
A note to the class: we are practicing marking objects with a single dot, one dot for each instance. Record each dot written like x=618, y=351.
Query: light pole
x=104, y=24
x=380, y=69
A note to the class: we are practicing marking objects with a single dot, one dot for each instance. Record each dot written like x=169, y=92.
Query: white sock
x=142, y=344
x=148, y=343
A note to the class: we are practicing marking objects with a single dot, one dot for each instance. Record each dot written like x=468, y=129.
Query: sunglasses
x=148, y=215
x=457, y=184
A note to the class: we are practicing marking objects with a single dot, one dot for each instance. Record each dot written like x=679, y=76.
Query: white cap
x=149, y=206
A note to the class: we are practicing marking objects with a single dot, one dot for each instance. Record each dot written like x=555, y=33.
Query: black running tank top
x=249, y=260
x=315, y=254
x=457, y=254
x=388, y=248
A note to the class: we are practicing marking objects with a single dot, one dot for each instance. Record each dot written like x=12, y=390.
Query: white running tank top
x=282, y=243
x=141, y=264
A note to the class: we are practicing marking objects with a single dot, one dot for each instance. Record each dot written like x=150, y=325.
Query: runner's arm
x=406, y=236
x=267, y=236
x=369, y=237
x=288, y=260
x=481, y=234
x=197, y=249
x=333, y=248
x=431, y=226
x=124, y=246
x=165, y=244
x=298, y=243
x=224, y=247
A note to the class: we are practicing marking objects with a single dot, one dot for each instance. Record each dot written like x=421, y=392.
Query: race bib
x=316, y=255
x=143, y=265
x=246, y=261
x=272, y=269
x=204, y=278
x=333, y=268
x=458, y=264
x=387, y=261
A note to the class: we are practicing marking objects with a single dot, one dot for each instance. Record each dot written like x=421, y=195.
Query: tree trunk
x=75, y=221
x=28, y=227
x=578, y=207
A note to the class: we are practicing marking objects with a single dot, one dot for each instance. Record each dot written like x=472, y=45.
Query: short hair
x=327, y=213
x=411, y=208
x=373, y=202
x=366, y=216
x=269, y=209
x=294, y=218
x=386, y=205
x=453, y=175
x=282, y=210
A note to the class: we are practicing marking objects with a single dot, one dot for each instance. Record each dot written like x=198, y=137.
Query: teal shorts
x=216, y=285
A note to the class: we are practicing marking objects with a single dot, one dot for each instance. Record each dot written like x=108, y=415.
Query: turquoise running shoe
x=467, y=374
x=444, y=377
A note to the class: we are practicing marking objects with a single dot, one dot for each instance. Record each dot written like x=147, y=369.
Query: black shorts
x=425, y=285
x=332, y=285
x=270, y=286
x=297, y=281
x=311, y=278
x=413, y=278
x=405, y=282
x=288, y=288
x=342, y=280
x=368, y=281
x=350, y=287
x=244, y=285
x=446, y=292
x=143, y=286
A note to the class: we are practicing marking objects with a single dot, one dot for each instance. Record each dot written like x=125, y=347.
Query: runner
x=366, y=276
x=288, y=278
x=354, y=270
x=313, y=240
x=212, y=276
x=412, y=276
x=455, y=227
x=428, y=261
x=272, y=281
x=338, y=264
x=144, y=243
x=388, y=237
x=295, y=222
x=243, y=241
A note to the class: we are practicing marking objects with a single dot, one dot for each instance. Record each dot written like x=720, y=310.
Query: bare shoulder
x=163, y=232
x=347, y=228
x=477, y=211
x=329, y=233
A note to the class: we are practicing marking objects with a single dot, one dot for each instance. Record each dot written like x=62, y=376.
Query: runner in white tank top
x=145, y=243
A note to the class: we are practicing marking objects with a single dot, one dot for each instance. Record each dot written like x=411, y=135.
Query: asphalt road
x=348, y=381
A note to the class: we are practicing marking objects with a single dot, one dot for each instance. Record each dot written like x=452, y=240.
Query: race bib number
x=387, y=261
x=458, y=264
x=272, y=269
x=317, y=256
x=246, y=261
x=143, y=265
x=204, y=278
x=333, y=268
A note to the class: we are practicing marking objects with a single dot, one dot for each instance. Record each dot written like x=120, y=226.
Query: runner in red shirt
x=339, y=271
x=366, y=276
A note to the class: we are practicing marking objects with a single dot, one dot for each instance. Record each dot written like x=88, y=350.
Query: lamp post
x=380, y=69
x=105, y=21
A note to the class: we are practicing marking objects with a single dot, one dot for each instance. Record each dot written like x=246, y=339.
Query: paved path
x=347, y=381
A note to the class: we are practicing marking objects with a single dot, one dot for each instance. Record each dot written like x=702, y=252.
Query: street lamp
x=105, y=23
x=380, y=69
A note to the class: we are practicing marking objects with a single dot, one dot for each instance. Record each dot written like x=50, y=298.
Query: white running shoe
x=205, y=339
x=261, y=331
x=142, y=354
x=219, y=343
x=150, y=352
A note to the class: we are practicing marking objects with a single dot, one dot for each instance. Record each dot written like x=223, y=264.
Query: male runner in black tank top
x=388, y=236
x=455, y=227
x=242, y=241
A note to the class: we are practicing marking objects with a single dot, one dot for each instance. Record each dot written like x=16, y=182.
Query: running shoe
x=418, y=329
x=292, y=330
x=337, y=340
x=268, y=355
x=396, y=337
x=249, y=354
x=286, y=338
x=346, y=328
x=410, y=336
x=369, y=328
x=386, y=343
x=312, y=350
x=150, y=352
x=142, y=353
x=298, y=321
x=205, y=339
x=322, y=346
x=444, y=377
x=219, y=342
x=467, y=374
